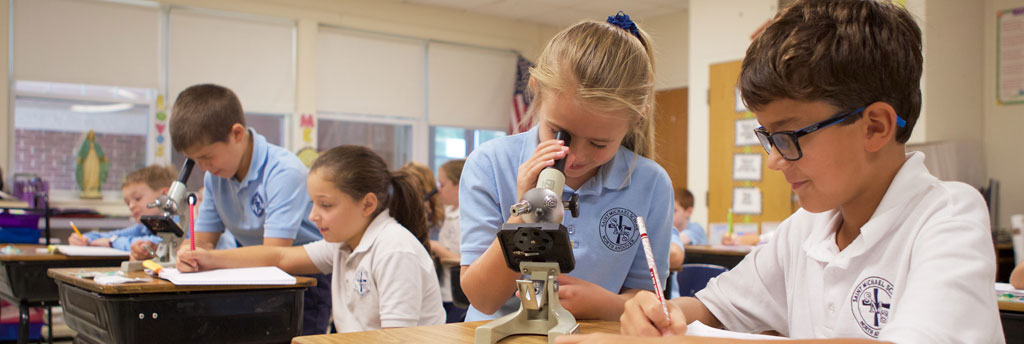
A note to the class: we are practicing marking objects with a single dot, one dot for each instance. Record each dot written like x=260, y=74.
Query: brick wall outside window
x=52, y=156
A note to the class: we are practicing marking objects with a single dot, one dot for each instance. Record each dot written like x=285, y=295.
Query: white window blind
x=253, y=57
x=470, y=87
x=85, y=42
x=370, y=74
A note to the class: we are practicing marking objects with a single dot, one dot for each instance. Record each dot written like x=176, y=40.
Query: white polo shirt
x=921, y=271
x=387, y=281
x=449, y=237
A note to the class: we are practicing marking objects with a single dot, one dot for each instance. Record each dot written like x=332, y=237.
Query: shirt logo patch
x=871, y=303
x=257, y=205
x=618, y=229
x=362, y=282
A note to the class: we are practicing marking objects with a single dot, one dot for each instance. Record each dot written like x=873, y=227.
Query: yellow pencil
x=75, y=228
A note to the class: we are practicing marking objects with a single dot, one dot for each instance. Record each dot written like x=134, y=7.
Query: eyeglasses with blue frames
x=787, y=142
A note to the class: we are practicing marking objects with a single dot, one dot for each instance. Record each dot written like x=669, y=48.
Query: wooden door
x=776, y=193
x=670, y=133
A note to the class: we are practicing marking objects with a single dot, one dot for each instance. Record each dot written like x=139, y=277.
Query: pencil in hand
x=646, y=242
x=75, y=228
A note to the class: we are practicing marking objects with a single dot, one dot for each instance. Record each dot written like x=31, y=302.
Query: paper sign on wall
x=746, y=167
x=716, y=231
x=746, y=201
x=745, y=132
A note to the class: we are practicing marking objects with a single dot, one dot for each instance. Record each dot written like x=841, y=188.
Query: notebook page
x=697, y=328
x=266, y=275
x=91, y=251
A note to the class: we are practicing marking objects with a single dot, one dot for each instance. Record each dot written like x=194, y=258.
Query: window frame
x=62, y=194
x=417, y=127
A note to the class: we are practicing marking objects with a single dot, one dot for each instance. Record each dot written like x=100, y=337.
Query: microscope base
x=548, y=319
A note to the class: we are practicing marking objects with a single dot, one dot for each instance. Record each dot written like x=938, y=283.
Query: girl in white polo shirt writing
x=383, y=275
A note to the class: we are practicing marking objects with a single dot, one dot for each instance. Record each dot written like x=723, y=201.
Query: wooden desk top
x=69, y=276
x=719, y=249
x=1015, y=306
x=448, y=333
x=29, y=253
x=13, y=204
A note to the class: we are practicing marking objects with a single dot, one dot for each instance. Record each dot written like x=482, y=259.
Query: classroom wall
x=671, y=49
x=953, y=67
x=1002, y=124
x=404, y=19
x=719, y=31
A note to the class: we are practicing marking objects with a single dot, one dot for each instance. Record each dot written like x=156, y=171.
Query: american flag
x=520, y=102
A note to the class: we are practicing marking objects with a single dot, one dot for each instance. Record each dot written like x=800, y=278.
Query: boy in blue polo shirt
x=254, y=190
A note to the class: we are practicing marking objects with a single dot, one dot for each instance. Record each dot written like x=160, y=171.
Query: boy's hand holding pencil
x=643, y=315
x=77, y=239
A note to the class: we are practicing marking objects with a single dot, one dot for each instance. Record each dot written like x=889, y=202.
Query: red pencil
x=192, y=224
x=646, y=242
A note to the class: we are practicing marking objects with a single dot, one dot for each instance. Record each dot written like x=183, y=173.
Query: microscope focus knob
x=573, y=204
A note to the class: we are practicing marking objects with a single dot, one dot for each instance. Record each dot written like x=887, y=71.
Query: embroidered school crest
x=618, y=229
x=257, y=205
x=871, y=303
x=362, y=282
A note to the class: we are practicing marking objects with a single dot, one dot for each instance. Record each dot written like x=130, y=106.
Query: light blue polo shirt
x=271, y=202
x=606, y=242
x=125, y=237
x=678, y=241
x=696, y=234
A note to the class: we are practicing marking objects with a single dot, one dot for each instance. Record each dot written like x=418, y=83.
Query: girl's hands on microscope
x=544, y=156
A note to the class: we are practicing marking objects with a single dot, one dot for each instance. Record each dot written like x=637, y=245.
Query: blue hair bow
x=622, y=20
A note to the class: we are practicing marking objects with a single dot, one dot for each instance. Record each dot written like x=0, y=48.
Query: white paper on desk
x=265, y=275
x=91, y=251
x=115, y=279
x=697, y=328
x=1008, y=288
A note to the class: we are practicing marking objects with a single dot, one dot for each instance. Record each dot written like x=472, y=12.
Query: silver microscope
x=164, y=225
x=540, y=249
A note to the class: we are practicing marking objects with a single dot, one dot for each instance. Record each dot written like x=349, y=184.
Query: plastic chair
x=458, y=297
x=695, y=277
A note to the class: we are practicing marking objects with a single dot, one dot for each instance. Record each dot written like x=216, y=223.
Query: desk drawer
x=251, y=316
x=27, y=280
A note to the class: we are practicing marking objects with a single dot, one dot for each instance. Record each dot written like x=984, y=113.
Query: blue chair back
x=695, y=277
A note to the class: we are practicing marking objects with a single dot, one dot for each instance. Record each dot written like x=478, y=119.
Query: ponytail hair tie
x=622, y=20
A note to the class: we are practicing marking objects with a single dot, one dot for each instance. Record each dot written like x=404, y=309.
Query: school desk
x=161, y=312
x=447, y=333
x=23, y=279
x=727, y=256
x=1011, y=312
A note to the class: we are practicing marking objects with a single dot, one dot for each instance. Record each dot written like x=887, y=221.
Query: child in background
x=447, y=245
x=880, y=249
x=254, y=190
x=594, y=80
x=140, y=187
x=690, y=233
x=431, y=200
x=375, y=243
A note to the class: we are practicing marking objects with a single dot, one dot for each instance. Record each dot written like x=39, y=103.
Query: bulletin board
x=738, y=175
x=1010, y=56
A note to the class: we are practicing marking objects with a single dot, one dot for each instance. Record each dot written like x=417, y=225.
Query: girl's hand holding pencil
x=192, y=261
